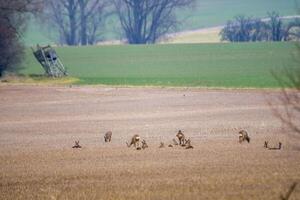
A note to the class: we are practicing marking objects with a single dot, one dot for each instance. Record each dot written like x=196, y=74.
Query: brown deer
x=107, y=136
x=180, y=137
x=135, y=141
x=243, y=135
x=188, y=144
x=184, y=143
x=76, y=145
x=266, y=144
x=144, y=144
x=162, y=145
x=276, y=148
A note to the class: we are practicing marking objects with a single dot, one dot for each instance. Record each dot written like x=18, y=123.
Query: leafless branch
x=289, y=80
x=289, y=193
x=145, y=21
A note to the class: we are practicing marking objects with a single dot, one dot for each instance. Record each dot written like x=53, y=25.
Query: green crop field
x=205, y=13
x=204, y=65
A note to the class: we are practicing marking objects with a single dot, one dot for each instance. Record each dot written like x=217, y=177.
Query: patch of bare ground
x=39, y=124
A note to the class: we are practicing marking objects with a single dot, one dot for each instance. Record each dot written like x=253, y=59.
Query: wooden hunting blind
x=49, y=60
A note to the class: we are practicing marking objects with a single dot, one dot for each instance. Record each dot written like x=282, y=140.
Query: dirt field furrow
x=39, y=124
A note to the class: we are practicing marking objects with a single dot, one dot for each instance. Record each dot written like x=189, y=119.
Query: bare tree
x=64, y=16
x=144, y=21
x=92, y=15
x=94, y=25
x=77, y=21
x=13, y=18
x=245, y=29
x=278, y=31
x=238, y=30
x=289, y=79
x=293, y=30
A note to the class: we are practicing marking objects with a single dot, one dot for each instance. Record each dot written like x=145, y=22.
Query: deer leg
x=240, y=139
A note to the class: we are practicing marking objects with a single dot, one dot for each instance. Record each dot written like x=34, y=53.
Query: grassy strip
x=38, y=80
x=201, y=65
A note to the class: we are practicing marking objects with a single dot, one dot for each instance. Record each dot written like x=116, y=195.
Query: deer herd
x=139, y=144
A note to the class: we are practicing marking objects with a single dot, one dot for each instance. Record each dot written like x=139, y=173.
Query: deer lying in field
x=273, y=148
x=181, y=138
x=184, y=144
x=188, y=144
x=243, y=135
x=107, y=136
x=276, y=148
x=135, y=141
x=76, y=145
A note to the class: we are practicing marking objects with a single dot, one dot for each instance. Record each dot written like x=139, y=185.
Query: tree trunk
x=73, y=30
x=83, y=22
x=144, y=21
x=72, y=17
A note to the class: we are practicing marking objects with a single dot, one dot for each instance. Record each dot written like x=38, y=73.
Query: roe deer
x=243, y=135
x=107, y=136
x=135, y=141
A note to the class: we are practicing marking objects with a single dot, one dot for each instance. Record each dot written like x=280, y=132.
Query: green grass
x=204, y=65
x=206, y=13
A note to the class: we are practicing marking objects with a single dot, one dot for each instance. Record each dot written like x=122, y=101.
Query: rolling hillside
x=205, y=65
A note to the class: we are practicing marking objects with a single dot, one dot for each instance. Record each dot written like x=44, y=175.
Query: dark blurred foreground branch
x=289, y=80
x=289, y=193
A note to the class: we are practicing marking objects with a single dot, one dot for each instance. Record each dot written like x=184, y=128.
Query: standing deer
x=180, y=137
x=135, y=140
x=107, y=136
x=243, y=135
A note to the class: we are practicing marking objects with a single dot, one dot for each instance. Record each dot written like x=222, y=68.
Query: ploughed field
x=39, y=124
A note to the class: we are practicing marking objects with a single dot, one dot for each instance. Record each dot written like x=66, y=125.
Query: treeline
x=13, y=18
x=76, y=22
x=81, y=22
x=272, y=28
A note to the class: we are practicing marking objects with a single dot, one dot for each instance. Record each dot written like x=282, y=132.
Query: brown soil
x=39, y=124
